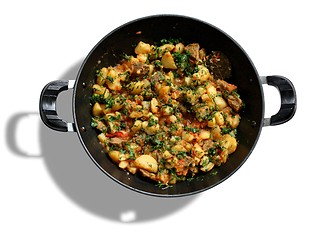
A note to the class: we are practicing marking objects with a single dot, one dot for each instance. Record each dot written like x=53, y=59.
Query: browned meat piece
x=224, y=86
x=234, y=102
x=193, y=49
x=116, y=141
x=218, y=65
x=139, y=69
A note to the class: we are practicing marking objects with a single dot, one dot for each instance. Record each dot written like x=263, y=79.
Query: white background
x=50, y=189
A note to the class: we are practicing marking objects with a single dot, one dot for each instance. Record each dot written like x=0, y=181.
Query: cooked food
x=167, y=112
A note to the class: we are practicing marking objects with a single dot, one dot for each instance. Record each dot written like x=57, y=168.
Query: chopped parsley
x=191, y=129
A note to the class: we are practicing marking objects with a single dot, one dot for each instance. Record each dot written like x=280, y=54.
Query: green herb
x=123, y=126
x=110, y=79
x=190, y=179
x=99, y=73
x=226, y=130
x=157, y=144
x=163, y=186
x=173, y=128
x=235, y=93
x=182, y=61
x=157, y=63
x=152, y=121
x=130, y=150
x=96, y=98
x=191, y=129
x=94, y=122
x=212, y=151
x=173, y=41
x=213, y=173
x=181, y=155
x=126, y=57
x=109, y=101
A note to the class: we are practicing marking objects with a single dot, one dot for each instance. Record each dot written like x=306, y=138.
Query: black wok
x=110, y=50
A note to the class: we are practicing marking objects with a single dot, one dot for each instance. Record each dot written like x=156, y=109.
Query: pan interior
x=109, y=51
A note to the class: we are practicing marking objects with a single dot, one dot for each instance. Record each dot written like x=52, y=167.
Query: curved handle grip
x=288, y=100
x=47, y=105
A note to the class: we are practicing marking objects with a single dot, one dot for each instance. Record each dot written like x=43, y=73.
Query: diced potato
x=151, y=127
x=224, y=155
x=114, y=155
x=197, y=150
x=97, y=109
x=205, y=98
x=215, y=132
x=146, y=105
x=211, y=122
x=188, y=137
x=146, y=83
x=167, y=61
x=211, y=90
x=136, y=126
x=142, y=48
x=188, y=80
x=178, y=48
x=166, y=110
x=191, y=96
x=201, y=90
x=166, y=154
x=178, y=148
x=166, y=47
x=173, y=119
x=233, y=121
x=146, y=162
x=102, y=139
x=151, y=130
x=204, y=134
x=112, y=73
x=142, y=57
x=123, y=164
x=132, y=170
x=220, y=102
x=114, y=84
x=135, y=147
x=203, y=73
x=188, y=146
x=163, y=91
x=197, y=160
x=137, y=114
x=154, y=105
x=97, y=89
x=229, y=143
x=207, y=167
x=219, y=118
x=103, y=72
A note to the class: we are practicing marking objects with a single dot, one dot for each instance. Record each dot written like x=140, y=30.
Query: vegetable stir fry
x=166, y=112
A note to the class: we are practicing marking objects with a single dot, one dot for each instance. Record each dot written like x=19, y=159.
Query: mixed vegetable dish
x=167, y=112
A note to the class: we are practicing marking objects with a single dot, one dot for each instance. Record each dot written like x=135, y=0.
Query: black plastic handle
x=47, y=106
x=288, y=100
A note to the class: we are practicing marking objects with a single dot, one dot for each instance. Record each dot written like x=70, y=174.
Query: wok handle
x=288, y=99
x=47, y=105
